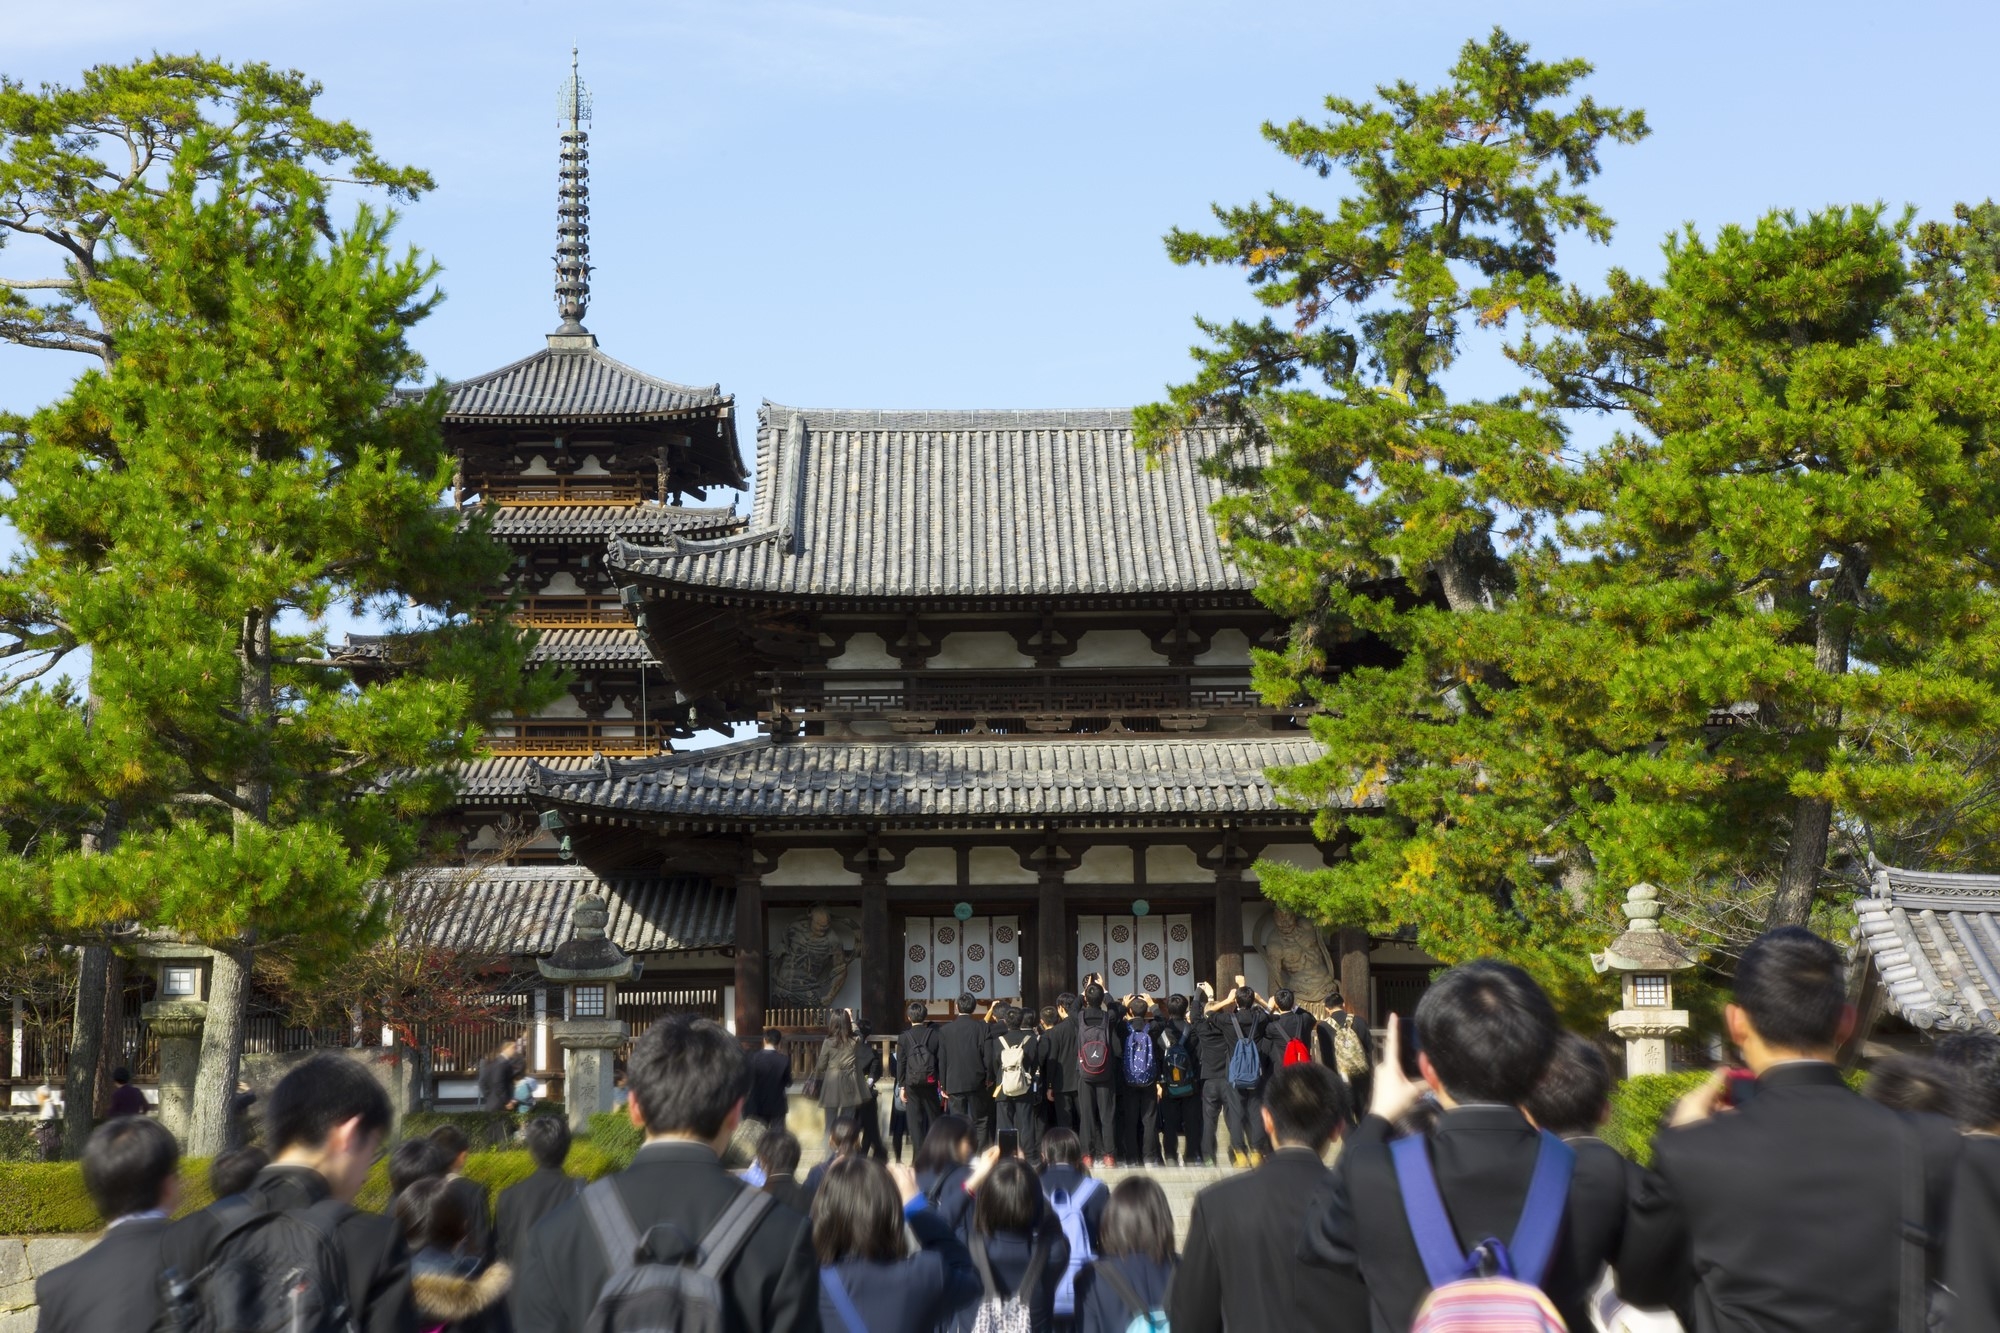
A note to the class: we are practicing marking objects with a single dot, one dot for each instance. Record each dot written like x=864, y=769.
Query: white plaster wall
x=566, y=706
x=1256, y=928
x=1302, y=854
x=1102, y=865
x=562, y=584
x=1228, y=647
x=865, y=652
x=1114, y=648
x=812, y=865
x=1176, y=864
x=592, y=468
x=980, y=649
x=998, y=865
x=928, y=865
x=538, y=466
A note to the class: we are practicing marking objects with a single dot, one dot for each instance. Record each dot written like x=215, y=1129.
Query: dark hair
x=1067, y=1000
x=433, y=1215
x=966, y=1004
x=1049, y=1016
x=1017, y=1017
x=1177, y=1006
x=1009, y=1199
x=778, y=1152
x=915, y=1011
x=1333, y=997
x=1139, y=1008
x=938, y=1153
x=1138, y=1222
x=1488, y=1029
x=839, y=1030
x=687, y=1074
x=121, y=1075
x=773, y=1037
x=1244, y=996
x=1282, y=998
x=321, y=1093
x=1791, y=985
x=1061, y=1147
x=1307, y=1102
x=857, y=1214
x=1912, y=1083
x=547, y=1137
x=1093, y=995
x=231, y=1172
x=1974, y=1057
x=413, y=1160
x=1420, y=1119
x=127, y=1163
x=451, y=1141
x=1574, y=1090
x=843, y=1136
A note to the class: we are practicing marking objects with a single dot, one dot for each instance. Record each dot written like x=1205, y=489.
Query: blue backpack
x=1141, y=1065
x=1246, y=1067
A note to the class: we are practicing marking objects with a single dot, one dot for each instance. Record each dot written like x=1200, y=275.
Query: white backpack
x=1013, y=1069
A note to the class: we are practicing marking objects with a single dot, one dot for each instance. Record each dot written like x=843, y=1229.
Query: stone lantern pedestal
x=176, y=1018
x=1645, y=958
x=590, y=1032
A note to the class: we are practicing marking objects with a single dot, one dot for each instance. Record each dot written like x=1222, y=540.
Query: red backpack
x=1297, y=1052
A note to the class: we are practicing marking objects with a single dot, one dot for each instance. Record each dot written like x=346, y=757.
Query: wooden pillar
x=1354, y=982
x=750, y=980
x=1228, y=929
x=879, y=957
x=1052, y=951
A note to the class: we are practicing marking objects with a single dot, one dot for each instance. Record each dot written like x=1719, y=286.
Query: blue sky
x=903, y=204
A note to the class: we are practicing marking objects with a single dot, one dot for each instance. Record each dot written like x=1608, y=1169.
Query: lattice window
x=1649, y=991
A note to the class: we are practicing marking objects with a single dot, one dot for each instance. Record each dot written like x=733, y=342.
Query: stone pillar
x=178, y=1024
x=1354, y=971
x=590, y=1050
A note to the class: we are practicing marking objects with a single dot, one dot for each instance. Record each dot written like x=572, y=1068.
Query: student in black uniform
x=944, y=1166
x=1134, y=1270
x=545, y=1190
x=131, y=1168
x=1010, y=1228
x=917, y=1073
x=962, y=1071
x=866, y=1283
x=1013, y=1057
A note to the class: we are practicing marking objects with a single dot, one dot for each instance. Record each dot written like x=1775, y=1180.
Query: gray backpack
x=648, y=1295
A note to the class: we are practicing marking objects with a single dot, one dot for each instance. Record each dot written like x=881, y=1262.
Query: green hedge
x=17, y=1140
x=488, y=1128
x=1639, y=1104
x=616, y=1136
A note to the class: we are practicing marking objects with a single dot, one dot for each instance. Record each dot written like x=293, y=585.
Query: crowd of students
x=1777, y=1197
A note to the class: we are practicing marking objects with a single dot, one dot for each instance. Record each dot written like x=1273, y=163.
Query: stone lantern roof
x=588, y=954
x=1644, y=947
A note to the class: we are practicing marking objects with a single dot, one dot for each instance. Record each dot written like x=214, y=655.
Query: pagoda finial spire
x=573, y=206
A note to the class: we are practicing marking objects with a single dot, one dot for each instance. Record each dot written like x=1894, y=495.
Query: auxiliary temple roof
x=1934, y=939
x=526, y=909
x=996, y=506
x=1002, y=782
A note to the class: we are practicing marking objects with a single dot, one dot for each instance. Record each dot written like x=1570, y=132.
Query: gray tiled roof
x=1010, y=505
x=950, y=781
x=612, y=645
x=572, y=386
x=526, y=909
x=1934, y=939
x=520, y=524
x=504, y=780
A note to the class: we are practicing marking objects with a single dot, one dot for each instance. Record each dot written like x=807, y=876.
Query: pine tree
x=192, y=512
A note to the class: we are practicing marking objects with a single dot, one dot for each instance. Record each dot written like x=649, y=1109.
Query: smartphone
x=1739, y=1087
x=1010, y=1143
x=1407, y=1040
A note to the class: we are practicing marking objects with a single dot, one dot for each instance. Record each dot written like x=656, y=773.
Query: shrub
x=1638, y=1105
x=39, y=1198
x=496, y=1170
x=614, y=1134
x=17, y=1140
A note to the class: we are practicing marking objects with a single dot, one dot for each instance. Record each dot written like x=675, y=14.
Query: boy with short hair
x=131, y=1167
x=546, y=1188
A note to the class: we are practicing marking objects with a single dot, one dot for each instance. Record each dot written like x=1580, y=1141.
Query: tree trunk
x=86, y=1041
x=1462, y=572
x=221, y=1052
x=111, y=1048
x=1812, y=817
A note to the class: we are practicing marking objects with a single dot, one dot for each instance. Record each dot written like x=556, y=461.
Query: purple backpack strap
x=1527, y=1256
x=1430, y=1225
x=1534, y=1242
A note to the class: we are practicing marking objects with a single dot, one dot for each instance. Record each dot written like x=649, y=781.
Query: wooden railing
x=581, y=736
x=557, y=612
x=1073, y=692
x=616, y=489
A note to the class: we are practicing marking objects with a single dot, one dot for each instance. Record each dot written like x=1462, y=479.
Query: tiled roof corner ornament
x=1645, y=957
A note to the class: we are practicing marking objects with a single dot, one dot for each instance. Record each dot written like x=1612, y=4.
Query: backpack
x=643, y=1294
x=920, y=1066
x=1296, y=1050
x=1008, y=1313
x=1141, y=1063
x=1014, y=1081
x=1068, y=1206
x=1496, y=1287
x=266, y=1270
x=1178, y=1073
x=1246, y=1067
x=1093, y=1047
x=1350, y=1057
x=1145, y=1319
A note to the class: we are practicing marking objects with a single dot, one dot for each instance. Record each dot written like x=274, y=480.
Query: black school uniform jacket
x=527, y=1202
x=681, y=1188
x=1059, y=1055
x=113, y=1285
x=1786, y=1214
x=1240, y=1268
x=1482, y=1157
x=962, y=1056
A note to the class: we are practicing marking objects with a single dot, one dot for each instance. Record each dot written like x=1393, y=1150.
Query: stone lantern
x=1645, y=958
x=589, y=966
x=181, y=973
